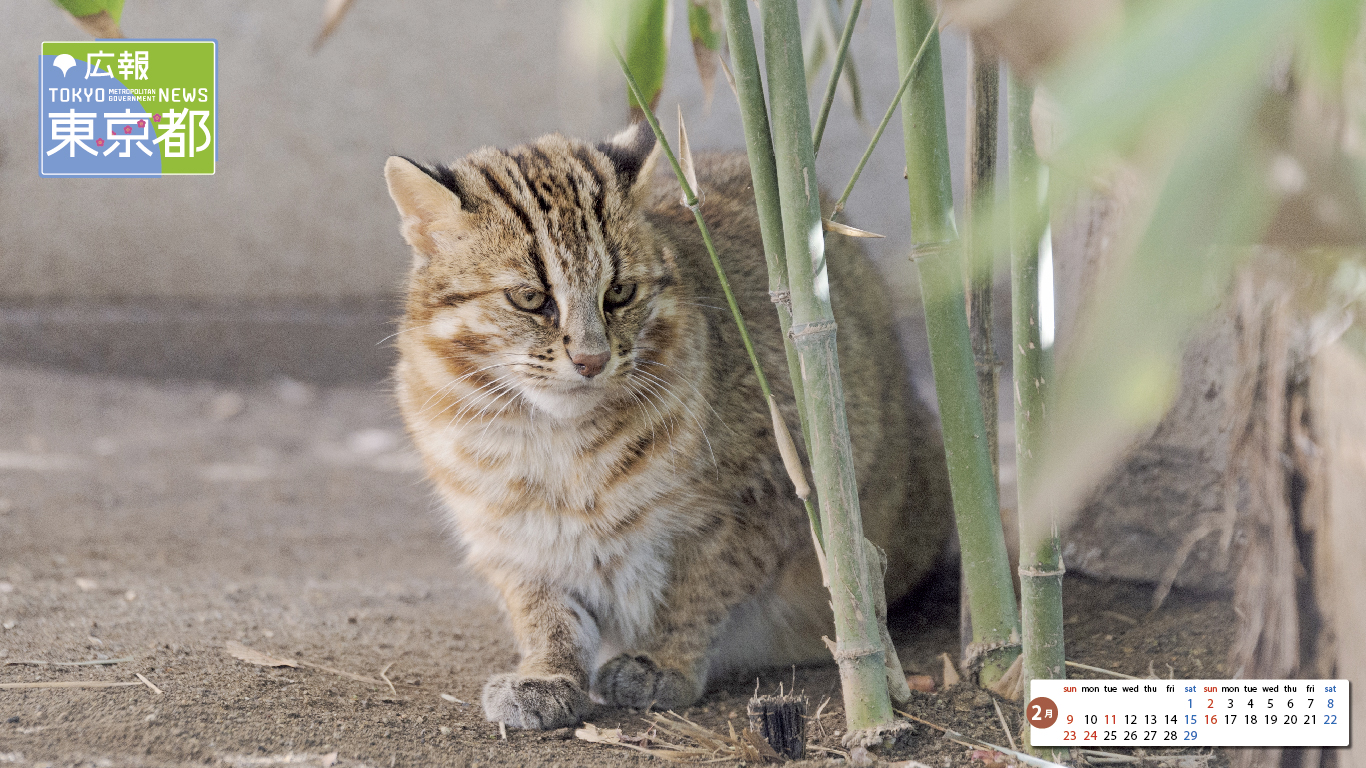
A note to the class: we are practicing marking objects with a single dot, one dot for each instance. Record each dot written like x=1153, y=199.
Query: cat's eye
x=527, y=299
x=620, y=294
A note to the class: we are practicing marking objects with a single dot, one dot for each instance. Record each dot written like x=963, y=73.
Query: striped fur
x=636, y=521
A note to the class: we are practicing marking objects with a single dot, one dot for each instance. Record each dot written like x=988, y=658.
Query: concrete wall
x=297, y=212
x=298, y=208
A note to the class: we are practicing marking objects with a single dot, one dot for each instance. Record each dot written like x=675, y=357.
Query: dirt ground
x=152, y=523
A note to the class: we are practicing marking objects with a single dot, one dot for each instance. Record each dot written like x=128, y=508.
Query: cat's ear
x=633, y=153
x=427, y=205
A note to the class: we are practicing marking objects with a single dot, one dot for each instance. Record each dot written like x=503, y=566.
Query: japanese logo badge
x=128, y=108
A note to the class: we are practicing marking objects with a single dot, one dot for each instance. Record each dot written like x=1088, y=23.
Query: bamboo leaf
x=82, y=8
x=730, y=76
x=815, y=40
x=852, y=89
x=841, y=59
x=787, y=448
x=887, y=117
x=1124, y=371
x=97, y=18
x=1327, y=33
x=646, y=49
x=685, y=160
x=1174, y=59
x=333, y=12
x=845, y=229
x=704, y=27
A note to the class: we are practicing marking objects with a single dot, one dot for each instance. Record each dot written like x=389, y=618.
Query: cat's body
x=583, y=402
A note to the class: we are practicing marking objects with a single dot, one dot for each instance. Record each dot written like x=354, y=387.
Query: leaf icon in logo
x=64, y=61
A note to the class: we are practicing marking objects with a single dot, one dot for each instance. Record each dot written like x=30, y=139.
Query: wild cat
x=584, y=406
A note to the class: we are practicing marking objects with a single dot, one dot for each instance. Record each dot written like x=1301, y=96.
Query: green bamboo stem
x=859, y=650
x=995, y=621
x=690, y=200
x=1040, y=556
x=984, y=95
x=836, y=70
x=882, y=126
x=749, y=89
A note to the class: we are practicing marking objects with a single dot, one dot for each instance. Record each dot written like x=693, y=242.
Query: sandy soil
x=152, y=523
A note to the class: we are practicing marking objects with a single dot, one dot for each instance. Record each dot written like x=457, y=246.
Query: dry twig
x=149, y=683
x=90, y=684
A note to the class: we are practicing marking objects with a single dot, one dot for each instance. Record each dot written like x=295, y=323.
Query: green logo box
x=128, y=108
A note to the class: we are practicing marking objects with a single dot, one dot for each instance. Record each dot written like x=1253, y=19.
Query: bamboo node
x=889, y=735
x=845, y=653
x=976, y=654
x=783, y=298
x=1036, y=573
x=933, y=249
x=814, y=328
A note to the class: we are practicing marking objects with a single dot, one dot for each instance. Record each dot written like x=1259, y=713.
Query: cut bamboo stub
x=781, y=721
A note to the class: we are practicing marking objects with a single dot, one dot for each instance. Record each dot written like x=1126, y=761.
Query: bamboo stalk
x=859, y=650
x=836, y=69
x=882, y=126
x=691, y=202
x=984, y=96
x=749, y=90
x=995, y=621
x=1041, y=566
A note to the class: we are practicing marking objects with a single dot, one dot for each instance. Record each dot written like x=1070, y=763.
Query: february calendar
x=1188, y=713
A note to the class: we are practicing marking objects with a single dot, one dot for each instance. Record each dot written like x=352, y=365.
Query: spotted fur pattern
x=585, y=408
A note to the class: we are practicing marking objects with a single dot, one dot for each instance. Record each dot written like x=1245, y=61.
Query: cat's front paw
x=534, y=702
x=639, y=683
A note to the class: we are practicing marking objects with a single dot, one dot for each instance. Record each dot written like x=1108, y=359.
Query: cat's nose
x=590, y=365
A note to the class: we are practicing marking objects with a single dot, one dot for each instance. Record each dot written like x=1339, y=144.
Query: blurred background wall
x=288, y=260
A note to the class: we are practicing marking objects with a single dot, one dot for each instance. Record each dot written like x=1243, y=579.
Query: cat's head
x=534, y=268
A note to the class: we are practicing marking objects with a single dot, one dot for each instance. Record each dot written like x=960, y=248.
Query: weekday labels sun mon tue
x=1188, y=713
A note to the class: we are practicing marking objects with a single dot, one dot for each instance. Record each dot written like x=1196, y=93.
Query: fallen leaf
x=251, y=656
x=990, y=758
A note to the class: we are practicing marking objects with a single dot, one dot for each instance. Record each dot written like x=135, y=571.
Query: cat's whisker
x=670, y=423
x=665, y=385
x=402, y=331
x=494, y=418
x=662, y=387
x=451, y=385
x=700, y=396
x=496, y=383
x=643, y=404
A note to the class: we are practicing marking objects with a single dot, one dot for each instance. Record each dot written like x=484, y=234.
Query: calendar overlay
x=1188, y=713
